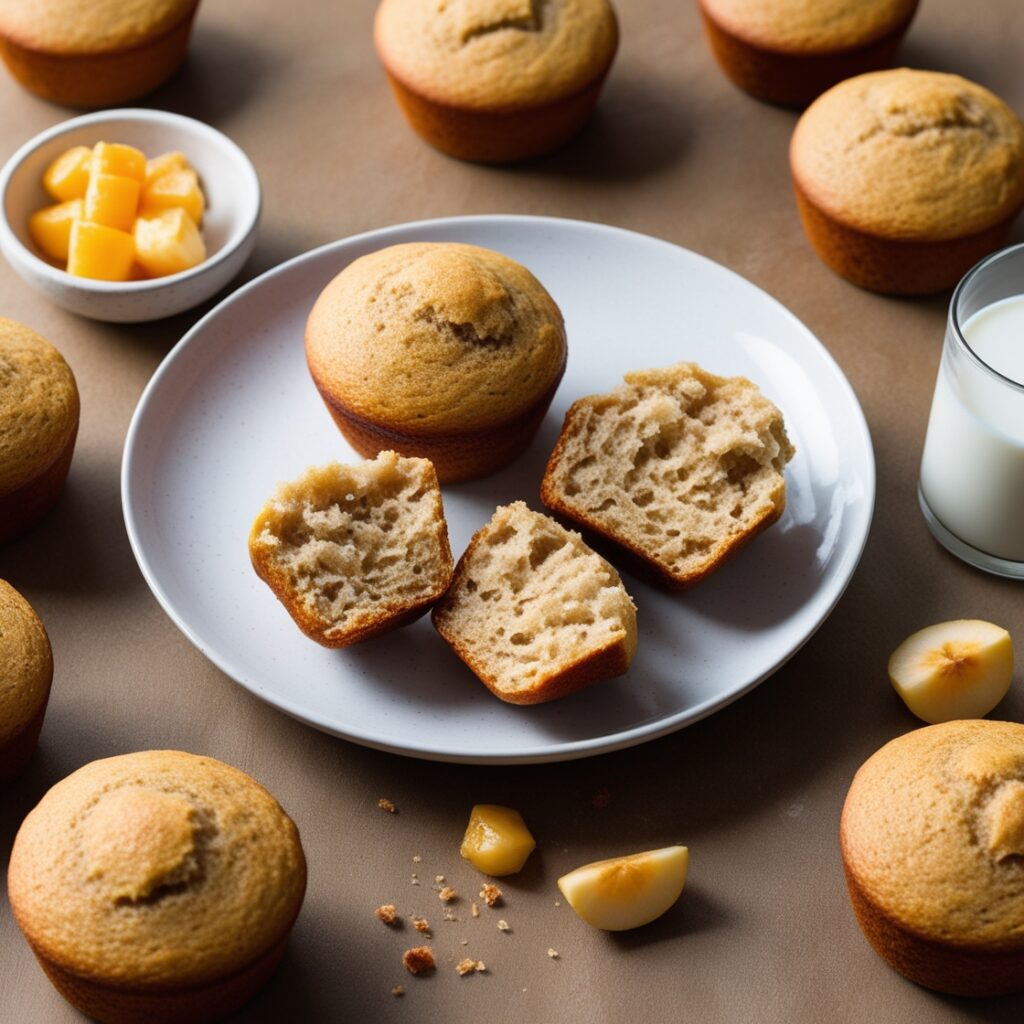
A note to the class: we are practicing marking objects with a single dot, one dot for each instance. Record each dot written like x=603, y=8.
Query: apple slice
x=627, y=892
x=953, y=670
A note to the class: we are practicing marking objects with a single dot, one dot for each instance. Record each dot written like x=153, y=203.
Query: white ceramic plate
x=232, y=411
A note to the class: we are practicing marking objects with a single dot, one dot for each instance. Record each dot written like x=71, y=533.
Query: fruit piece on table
x=174, y=189
x=627, y=892
x=116, y=158
x=157, y=166
x=100, y=252
x=50, y=228
x=953, y=670
x=113, y=200
x=168, y=243
x=497, y=841
x=68, y=176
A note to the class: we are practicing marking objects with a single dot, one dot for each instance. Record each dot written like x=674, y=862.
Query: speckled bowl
x=229, y=224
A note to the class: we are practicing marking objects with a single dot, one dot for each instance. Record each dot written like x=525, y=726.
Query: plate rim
x=548, y=752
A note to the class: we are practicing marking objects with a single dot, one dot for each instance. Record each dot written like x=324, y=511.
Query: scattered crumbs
x=439, y=879
x=449, y=915
x=503, y=926
x=553, y=953
x=418, y=959
x=415, y=879
x=465, y=942
x=490, y=894
x=558, y=903
x=474, y=910
x=398, y=991
x=416, y=858
x=448, y=894
x=469, y=966
x=421, y=925
x=387, y=805
x=387, y=913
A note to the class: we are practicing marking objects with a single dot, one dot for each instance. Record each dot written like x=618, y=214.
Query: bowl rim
x=9, y=239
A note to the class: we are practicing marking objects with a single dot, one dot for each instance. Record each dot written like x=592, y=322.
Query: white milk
x=972, y=471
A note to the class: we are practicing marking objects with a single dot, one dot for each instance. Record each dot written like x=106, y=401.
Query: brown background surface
x=763, y=931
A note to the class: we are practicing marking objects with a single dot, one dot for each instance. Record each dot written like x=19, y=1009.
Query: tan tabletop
x=763, y=931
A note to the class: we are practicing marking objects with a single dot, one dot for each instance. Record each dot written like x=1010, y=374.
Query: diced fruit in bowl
x=115, y=158
x=627, y=892
x=100, y=252
x=953, y=670
x=159, y=165
x=497, y=841
x=112, y=199
x=168, y=243
x=68, y=176
x=50, y=228
x=175, y=188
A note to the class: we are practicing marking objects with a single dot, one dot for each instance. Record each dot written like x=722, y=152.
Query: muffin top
x=88, y=26
x=156, y=868
x=496, y=54
x=435, y=337
x=810, y=26
x=933, y=830
x=26, y=663
x=38, y=405
x=911, y=154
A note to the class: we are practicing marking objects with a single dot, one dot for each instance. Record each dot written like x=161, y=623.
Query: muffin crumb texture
x=418, y=960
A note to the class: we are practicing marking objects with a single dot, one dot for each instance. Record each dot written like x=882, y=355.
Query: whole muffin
x=157, y=887
x=38, y=426
x=496, y=80
x=932, y=839
x=789, y=51
x=94, y=53
x=26, y=671
x=439, y=350
x=905, y=179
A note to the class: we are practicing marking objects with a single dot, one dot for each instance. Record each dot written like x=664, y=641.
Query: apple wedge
x=627, y=892
x=953, y=670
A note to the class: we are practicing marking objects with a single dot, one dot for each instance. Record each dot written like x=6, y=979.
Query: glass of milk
x=972, y=470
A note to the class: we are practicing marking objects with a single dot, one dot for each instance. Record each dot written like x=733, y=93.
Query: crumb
x=439, y=879
x=387, y=805
x=448, y=894
x=398, y=991
x=474, y=910
x=418, y=959
x=465, y=942
x=449, y=915
x=601, y=799
x=421, y=925
x=387, y=913
x=558, y=903
x=490, y=894
x=468, y=966
x=416, y=858
x=553, y=953
x=503, y=926
x=415, y=879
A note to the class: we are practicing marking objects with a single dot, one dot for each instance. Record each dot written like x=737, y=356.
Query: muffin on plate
x=905, y=179
x=157, y=887
x=932, y=837
x=96, y=54
x=26, y=671
x=38, y=426
x=496, y=80
x=444, y=351
x=789, y=51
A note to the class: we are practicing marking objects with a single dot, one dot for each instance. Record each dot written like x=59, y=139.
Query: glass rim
x=954, y=319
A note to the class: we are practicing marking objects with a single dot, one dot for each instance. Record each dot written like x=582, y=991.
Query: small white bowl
x=228, y=180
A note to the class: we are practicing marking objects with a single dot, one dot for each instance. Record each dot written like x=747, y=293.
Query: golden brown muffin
x=932, y=839
x=26, y=671
x=94, y=53
x=789, y=51
x=496, y=80
x=905, y=179
x=38, y=426
x=157, y=887
x=444, y=351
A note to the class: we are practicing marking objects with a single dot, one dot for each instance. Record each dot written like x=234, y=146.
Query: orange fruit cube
x=113, y=200
x=160, y=165
x=175, y=188
x=68, y=176
x=168, y=243
x=100, y=252
x=50, y=228
x=115, y=158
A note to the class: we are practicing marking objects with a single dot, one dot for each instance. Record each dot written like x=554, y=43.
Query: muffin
x=157, y=887
x=443, y=351
x=26, y=670
x=38, y=426
x=932, y=839
x=496, y=80
x=789, y=51
x=95, y=54
x=905, y=179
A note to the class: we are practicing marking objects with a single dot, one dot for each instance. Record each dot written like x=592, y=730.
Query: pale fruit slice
x=953, y=670
x=168, y=243
x=68, y=176
x=627, y=892
x=497, y=841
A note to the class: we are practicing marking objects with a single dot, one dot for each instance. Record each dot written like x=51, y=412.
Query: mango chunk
x=115, y=158
x=50, y=228
x=497, y=841
x=168, y=243
x=68, y=176
x=100, y=252
x=175, y=188
x=113, y=200
x=158, y=166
